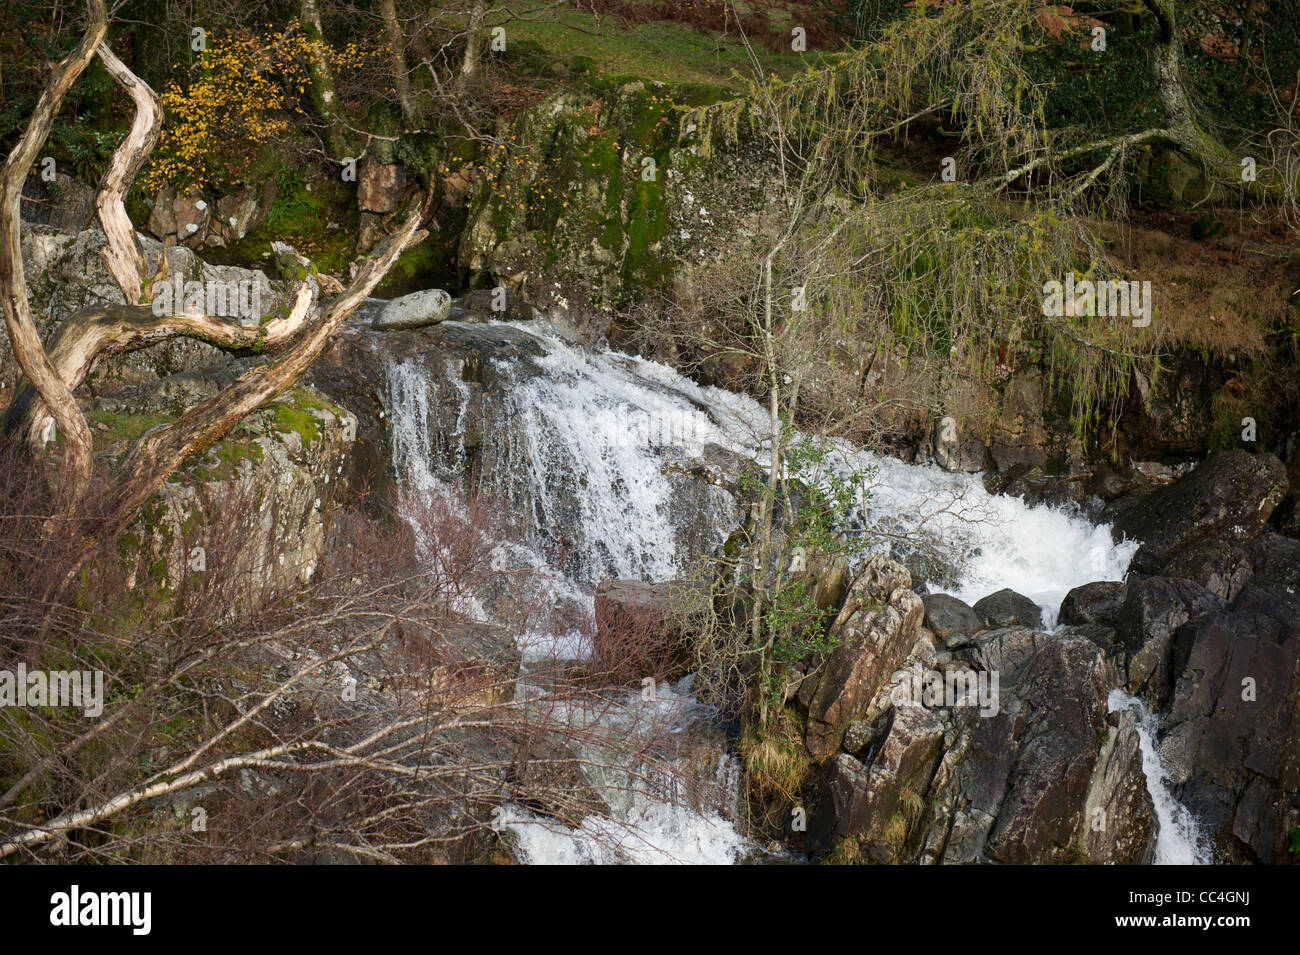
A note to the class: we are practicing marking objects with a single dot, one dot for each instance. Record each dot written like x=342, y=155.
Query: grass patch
x=660, y=50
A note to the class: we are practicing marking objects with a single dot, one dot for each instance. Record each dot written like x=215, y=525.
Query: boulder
x=240, y=213
x=1006, y=608
x=1229, y=497
x=413, y=311
x=1095, y=603
x=640, y=628
x=1218, y=566
x=945, y=615
x=1153, y=609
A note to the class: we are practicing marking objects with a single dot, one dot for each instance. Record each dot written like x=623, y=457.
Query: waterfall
x=587, y=452
x=1178, y=837
x=585, y=444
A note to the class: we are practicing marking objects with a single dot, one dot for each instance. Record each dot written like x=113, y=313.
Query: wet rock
x=945, y=615
x=1006, y=608
x=1232, y=735
x=1229, y=497
x=1108, y=483
x=1014, y=786
x=955, y=449
x=878, y=802
x=1218, y=566
x=499, y=304
x=1095, y=603
x=1153, y=609
x=1019, y=437
x=546, y=776
x=413, y=311
x=1119, y=817
x=1274, y=560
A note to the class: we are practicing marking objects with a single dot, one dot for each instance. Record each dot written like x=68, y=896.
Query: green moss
x=224, y=458
x=304, y=423
x=110, y=428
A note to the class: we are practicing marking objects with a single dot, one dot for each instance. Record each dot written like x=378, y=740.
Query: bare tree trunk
x=51, y=374
x=123, y=255
x=474, y=39
x=397, y=57
x=23, y=336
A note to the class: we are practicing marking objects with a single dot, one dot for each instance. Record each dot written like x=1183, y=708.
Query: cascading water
x=1178, y=837
x=584, y=449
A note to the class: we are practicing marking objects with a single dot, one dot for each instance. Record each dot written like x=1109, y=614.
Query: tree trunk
x=397, y=57
x=23, y=336
x=474, y=39
x=1184, y=130
x=323, y=93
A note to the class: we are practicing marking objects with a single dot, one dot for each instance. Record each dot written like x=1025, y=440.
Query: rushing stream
x=585, y=453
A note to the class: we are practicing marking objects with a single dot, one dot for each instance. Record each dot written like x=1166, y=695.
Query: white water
x=648, y=826
x=590, y=444
x=1178, y=837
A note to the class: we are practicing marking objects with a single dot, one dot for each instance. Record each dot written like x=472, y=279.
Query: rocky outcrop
x=197, y=221
x=876, y=628
x=1013, y=787
x=380, y=186
x=66, y=272
x=1232, y=735
x=621, y=188
x=1020, y=437
x=261, y=498
x=873, y=803
x=1028, y=769
x=1229, y=497
x=1153, y=610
